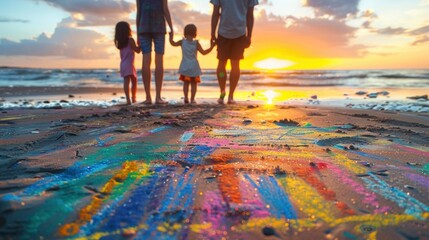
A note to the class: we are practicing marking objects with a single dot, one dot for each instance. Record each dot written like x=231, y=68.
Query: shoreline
x=389, y=99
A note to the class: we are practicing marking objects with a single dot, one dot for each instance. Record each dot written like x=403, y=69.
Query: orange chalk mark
x=228, y=181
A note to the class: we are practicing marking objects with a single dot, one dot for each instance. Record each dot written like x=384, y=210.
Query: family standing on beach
x=232, y=18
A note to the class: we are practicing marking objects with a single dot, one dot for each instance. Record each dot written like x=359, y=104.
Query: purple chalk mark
x=422, y=180
x=216, y=210
x=252, y=200
x=369, y=198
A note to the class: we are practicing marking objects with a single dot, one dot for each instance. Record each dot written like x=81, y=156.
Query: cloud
x=65, y=42
x=391, y=31
x=339, y=9
x=307, y=37
x=183, y=14
x=95, y=12
x=420, y=31
x=9, y=20
x=420, y=41
x=312, y=38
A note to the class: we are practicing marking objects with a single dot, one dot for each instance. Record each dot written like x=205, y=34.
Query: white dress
x=189, y=65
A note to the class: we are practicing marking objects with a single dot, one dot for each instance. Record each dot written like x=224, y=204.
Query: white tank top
x=189, y=66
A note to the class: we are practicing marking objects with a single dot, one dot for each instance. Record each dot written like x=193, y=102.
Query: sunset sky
x=288, y=34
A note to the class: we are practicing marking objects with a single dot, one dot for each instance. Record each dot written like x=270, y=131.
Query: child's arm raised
x=134, y=46
x=173, y=43
x=207, y=51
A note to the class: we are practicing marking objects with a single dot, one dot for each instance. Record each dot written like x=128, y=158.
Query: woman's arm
x=207, y=51
x=173, y=43
x=134, y=46
x=167, y=15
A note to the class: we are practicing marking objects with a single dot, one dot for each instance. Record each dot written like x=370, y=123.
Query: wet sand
x=212, y=171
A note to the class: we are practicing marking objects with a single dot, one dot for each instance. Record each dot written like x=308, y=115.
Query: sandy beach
x=208, y=171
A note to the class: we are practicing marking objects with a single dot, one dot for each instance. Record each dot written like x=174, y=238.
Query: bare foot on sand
x=160, y=101
x=231, y=101
x=148, y=101
x=221, y=97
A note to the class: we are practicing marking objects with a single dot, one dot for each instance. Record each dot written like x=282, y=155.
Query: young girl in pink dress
x=127, y=46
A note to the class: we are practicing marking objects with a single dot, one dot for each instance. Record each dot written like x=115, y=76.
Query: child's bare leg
x=193, y=91
x=127, y=89
x=159, y=77
x=134, y=89
x=146, y=75
x=186, y=91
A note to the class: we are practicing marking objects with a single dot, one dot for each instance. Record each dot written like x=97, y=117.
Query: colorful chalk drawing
x=228, y=181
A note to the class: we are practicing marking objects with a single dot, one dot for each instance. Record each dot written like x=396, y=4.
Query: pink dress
x=127, y=61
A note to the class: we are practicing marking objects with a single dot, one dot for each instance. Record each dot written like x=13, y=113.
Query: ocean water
x=14, y=77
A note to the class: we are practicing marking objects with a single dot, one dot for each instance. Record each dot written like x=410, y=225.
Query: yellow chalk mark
x=86, y=213
x=199, y=228
x=308, y=199
x=16, y=117
x=375, y=221
x=169, y=228
x=372, y=236
x=124, y=231
x=347, y=163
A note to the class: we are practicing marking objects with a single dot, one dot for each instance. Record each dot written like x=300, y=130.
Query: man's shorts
x=146, y=42
x=230, y=48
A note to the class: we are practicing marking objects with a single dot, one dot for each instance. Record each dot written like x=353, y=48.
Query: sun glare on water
x=273, y=63
x=270, y=95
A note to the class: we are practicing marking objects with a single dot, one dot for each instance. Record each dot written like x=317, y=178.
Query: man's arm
x=167, y=15
x=250, y=22
x=138, y=15
x=215, y=20
x=173, y=43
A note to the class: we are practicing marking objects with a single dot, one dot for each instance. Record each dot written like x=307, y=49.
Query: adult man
x=151, y=17
x=234, y=35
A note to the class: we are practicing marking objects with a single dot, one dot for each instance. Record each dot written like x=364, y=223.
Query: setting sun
x=273, y=63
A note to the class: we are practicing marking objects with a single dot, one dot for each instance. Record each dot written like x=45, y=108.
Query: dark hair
x=122, y=34
x=190, y=30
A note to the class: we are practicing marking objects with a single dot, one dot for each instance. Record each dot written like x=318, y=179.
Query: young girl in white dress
x=189, y=69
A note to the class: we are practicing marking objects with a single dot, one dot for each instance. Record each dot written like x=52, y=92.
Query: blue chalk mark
x=363, y=154
x=102, y=143
x=159, y=129
x=369, y=155
x=275, y=196
x=186, y=136
x=130, y=212
x=195, y=154
x=71, y=174
x=176, y=206
x=411, y=205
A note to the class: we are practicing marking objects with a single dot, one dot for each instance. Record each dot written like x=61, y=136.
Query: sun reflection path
x=270, y=95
